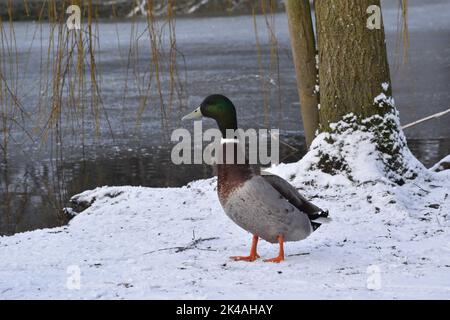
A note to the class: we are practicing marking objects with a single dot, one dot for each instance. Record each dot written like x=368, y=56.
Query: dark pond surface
x=220, y=56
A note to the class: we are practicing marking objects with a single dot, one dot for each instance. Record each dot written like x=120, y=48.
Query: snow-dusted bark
x=354, y=149
x=356, y=94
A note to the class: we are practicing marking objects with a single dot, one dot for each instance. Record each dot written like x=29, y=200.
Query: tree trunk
x=353, y=61
x=355, y=91
x=304, y=53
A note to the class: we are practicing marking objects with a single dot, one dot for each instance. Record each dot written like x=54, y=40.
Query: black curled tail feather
x=315, y=225
x=318, y=218
x=319, y=214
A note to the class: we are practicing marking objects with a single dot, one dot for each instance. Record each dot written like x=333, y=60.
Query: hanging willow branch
x=402, y=41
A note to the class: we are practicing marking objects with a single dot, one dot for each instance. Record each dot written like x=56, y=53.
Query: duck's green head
x=219, y=108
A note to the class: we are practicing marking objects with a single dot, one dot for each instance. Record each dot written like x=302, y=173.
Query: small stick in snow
x=421, y=188
x=298, y=254
x=439, y=214
x=192, y=245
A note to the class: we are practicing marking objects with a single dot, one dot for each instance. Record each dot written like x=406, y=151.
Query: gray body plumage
x=269, y=206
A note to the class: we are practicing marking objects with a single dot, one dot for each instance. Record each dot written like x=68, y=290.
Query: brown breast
x=231, y=175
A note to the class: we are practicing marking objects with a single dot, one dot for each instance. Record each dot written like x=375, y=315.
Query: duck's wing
x=293, y=196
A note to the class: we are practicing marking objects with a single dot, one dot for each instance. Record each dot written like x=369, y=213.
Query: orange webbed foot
x=253, y=255
x=275, y=260
x=280, y=253
x=250, y=258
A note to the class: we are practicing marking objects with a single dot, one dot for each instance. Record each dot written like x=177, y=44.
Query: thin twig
x=433, y=116
x=192, y=245
x=298, y=254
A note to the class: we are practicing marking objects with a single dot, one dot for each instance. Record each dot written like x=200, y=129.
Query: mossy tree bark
x=304, y=54
x=354, y=80
x=353, y=61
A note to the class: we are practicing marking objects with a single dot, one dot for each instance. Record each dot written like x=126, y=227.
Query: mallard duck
x=265, y=205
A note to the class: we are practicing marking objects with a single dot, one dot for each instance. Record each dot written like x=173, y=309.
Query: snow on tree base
x=371, y=149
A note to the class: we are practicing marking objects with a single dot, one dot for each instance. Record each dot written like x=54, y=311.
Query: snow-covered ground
x=385, y=241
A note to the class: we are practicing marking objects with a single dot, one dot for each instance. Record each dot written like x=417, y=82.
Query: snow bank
x=443, y=164
x=385, y=241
